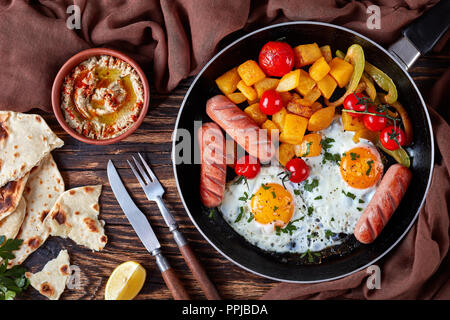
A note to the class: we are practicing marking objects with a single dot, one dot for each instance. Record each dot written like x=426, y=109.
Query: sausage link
x=213, y=164
x=383, y=203
x=240, y=127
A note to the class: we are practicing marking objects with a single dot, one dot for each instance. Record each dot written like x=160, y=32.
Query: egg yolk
x=361, y=167
x=272, y=203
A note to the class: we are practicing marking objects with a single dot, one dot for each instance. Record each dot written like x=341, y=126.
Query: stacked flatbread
x=33, y=202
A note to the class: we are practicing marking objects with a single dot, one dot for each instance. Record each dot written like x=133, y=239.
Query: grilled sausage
x=240, y=127
x=213, y=164
x=383, y=203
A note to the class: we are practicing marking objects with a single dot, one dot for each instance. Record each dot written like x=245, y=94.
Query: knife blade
x=135, y=216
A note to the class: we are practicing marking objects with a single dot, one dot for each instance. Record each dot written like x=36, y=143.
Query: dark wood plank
x=82, y=164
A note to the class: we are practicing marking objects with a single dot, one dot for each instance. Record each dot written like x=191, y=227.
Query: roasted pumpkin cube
x=319, y=69
x=306, y=54
x=296, y=106
x=270, y=126
x=266, y=84
x=316, y=106
x=341, y=71
x=313, y=95
x=236, y=97
x=326, y=52
x=327, y=86
x=250, y=102
x=279, y=118
x=256, y=114
x=250, y=72
x=294, y=129
x=286, y=97
x=289, y=81
x=321, y=119
x=305, y=83
x=247, y=91
x=310, y=146
x=286, y=152
x=227, y=82
x=350, y=123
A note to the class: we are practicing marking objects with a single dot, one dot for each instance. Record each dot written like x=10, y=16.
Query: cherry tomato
x=276, y=58
x=299, y=170
x=248, y=167
x=270, y=102
x=374, y=123
x=356, y=102
x=387, y=138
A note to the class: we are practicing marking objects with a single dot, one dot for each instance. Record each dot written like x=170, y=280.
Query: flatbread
x=43, y=188
x=10, y=195
x=75, y=216
x=51, y=280
x=25, y=139
x=9, y=226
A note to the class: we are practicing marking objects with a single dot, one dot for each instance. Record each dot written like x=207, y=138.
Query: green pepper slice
x=382, y=80
x=400, y=155
x=355, y=55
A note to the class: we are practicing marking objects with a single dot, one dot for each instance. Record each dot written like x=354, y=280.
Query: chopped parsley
x=288, y=229
x=308, y=146
x=263, y=185
x=274, y=194
x=327, y=142
x=361, y=201
x=240, y=215
x=327, y=156
x=251, y=217
x=310, y=255
x=297, y=192
x=310, y=211
x=359, y=209
x=329, y=234
x=12, y=281
x=245, y=197
x=318, y=198
x=309, y=186
x=370, y=162
x=212, y=213
x=349, y=194
x=275, y=208
x=354, y=156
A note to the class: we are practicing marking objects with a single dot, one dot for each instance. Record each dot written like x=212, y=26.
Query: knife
x=145, y=233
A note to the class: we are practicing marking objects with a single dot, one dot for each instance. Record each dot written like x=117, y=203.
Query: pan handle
x=421, y=35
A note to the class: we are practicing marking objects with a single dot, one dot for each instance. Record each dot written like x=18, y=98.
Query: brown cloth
x=172, y=39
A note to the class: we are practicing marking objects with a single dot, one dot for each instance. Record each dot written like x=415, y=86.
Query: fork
x=154, y=192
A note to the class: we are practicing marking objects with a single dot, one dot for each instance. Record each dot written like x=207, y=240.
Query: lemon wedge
x=125, y=282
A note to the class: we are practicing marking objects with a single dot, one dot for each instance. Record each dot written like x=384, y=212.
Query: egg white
x=320, y=214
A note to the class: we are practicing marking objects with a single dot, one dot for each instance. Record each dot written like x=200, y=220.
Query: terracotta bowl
x=68, y=67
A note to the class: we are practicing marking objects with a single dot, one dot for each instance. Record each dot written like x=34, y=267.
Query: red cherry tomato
x=356, y=102
x=276, y=58
x=270, y=102
x=299, y=170
x=248, y=167
x=388, y=137
x=374, y=123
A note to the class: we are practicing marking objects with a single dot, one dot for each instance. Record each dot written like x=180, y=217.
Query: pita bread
x=75, y=216
x=25, y=139
x=43, y=188
x=10, y=225
x=51, y=280
x=10, y=195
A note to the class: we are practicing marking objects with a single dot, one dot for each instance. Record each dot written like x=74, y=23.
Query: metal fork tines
x=152, y=187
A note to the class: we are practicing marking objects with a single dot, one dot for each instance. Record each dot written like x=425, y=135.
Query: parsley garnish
x=12, y=281
x=361, y=201
x=274, y=194
x=263, y=185
x=310, y=211
x=288, y=229
x=327, y=144
x=359, y=209
x=275, y=208
x=297, y=192
x=308, y=145
x=251, y=217
x=349, y=194
x=310, y=255
x=212, y=213
x=354, y=156
x=241, y=213
x=310, y=186
x=318, y=198
x=370, y=162
x=329, y=234
x=245, y=197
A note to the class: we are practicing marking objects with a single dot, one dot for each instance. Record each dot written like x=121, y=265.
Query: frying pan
x=350, y=257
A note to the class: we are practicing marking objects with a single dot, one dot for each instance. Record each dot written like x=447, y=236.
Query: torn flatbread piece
x=75, y=216
x=10, y=195
x=9, y=226
x=43, y=188
x=51, y=280
x=25, y=139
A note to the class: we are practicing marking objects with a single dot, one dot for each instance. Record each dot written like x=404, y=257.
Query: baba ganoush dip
x=102, y=97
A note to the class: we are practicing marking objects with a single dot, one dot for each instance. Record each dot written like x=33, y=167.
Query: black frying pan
x=351, y=256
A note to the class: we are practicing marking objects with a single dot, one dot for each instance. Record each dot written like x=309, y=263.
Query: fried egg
x=277, y=215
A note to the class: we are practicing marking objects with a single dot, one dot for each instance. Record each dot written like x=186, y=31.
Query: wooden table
x=82, y=164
